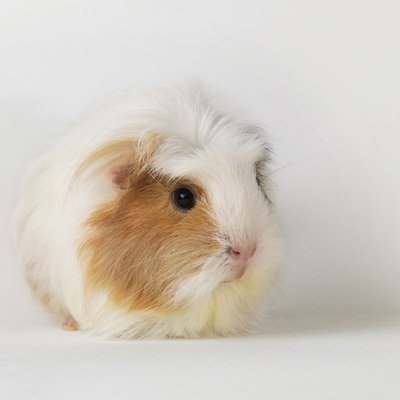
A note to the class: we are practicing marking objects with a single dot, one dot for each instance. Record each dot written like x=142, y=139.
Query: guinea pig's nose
x=242, y=252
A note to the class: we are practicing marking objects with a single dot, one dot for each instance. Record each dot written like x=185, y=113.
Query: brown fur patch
x=138, y=247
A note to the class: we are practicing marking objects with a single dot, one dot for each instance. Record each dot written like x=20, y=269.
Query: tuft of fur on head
x=102, y=240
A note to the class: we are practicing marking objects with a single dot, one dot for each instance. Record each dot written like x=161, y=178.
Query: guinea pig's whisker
x=286, y=290
x=303, y=271
x=290, y=164
x=171, y=183
x=289, y=228
x=150, y=172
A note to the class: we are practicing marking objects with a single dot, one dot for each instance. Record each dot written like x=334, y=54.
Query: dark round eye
x=183, y=199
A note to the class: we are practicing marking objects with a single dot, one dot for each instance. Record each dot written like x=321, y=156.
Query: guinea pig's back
x=37, y=229
x=48, y=220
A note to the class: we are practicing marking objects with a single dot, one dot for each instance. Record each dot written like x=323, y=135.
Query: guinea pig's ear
x=120, y=176
x=119, y=160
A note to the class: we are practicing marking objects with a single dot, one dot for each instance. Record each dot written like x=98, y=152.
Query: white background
x=323, y=76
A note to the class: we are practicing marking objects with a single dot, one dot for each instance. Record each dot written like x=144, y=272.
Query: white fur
x=204, y=143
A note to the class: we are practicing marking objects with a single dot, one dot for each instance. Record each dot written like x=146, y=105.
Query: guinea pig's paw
x=69, y=324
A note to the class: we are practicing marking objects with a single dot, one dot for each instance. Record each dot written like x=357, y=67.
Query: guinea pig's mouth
x=237, y=270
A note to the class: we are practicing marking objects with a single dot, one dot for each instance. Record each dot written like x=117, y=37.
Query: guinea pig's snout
x=242, y=253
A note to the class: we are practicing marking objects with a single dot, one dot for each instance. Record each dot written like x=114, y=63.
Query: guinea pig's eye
x=183, y=199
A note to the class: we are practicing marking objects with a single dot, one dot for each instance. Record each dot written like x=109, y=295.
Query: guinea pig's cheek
x=140, y=250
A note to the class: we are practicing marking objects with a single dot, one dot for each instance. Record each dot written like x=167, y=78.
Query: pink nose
x=242, y=253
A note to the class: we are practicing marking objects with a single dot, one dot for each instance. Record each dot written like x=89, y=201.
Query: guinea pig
x=153, y=218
